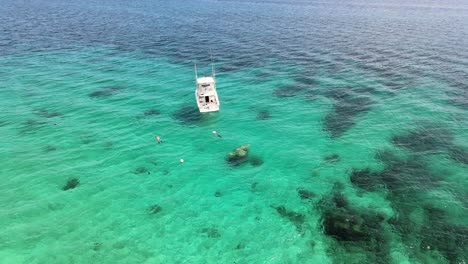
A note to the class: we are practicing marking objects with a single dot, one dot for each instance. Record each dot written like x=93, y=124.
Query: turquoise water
x=358, y=145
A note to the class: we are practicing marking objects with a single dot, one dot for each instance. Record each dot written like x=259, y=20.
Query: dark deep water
x=374, y=137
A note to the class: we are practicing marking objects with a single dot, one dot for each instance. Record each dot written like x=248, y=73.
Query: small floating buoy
x=181, y=160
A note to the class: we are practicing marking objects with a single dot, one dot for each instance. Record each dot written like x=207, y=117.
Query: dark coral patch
x=255, y=161
x=404, y=178
x=296, y=218
x=141, y=170
x=425, y=139
x=431, y=140
x=400, y=176
x=47, y=114
x=288, y=91
x=96, y=246
x=354, y=227
x=263, y=115
x=449, y=239
x=332, y=158
x=188, y=115
x=105, y=92
x=459, y=97
x=365, y=179
x=154, y=209
x=346, y=109
x=211, y=232
x=49, y=148
x=151, y=112
x=435, y=233
x=348, y=105
x=71, y=184
x=240, y=246
x=459, y=154
x=305, y=194
x=253, y=186
x=32, y=125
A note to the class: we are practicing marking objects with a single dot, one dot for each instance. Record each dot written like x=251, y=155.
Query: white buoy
x=181, y=160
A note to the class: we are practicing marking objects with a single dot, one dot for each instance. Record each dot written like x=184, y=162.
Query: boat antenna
x=212, y=64
x=196, y=75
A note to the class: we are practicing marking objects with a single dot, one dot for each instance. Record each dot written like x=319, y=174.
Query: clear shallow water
x=357, y=111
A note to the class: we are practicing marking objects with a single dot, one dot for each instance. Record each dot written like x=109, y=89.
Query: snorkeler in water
x=158, y=138
x=216, y=133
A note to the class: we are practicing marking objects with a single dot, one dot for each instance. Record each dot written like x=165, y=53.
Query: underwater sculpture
x=239, y=155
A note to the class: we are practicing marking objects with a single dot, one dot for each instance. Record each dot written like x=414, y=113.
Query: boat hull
x=207, y=103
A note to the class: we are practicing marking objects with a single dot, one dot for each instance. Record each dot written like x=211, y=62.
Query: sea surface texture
x=356, y=114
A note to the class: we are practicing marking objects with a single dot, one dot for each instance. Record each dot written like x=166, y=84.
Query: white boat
x=205, y=94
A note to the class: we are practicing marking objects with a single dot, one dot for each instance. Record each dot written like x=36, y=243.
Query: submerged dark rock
x=451, y=240
x=288, y=91
x=365, y=179
x=354, y=227
x=49, y=148
x=253, y=186
x=240, y=246
x=211, y=232
x=305, y=194
x=151, y=112
x=425, y=139
x=71, y=184
x=296, y=218
x=399, y=176
x=458, y=154
x=154, y=209
x=218, y=194
x=347, y=107
x=404, y=178
x=47, y=114
x=97, y=246
x=141, y=170
x=32, y=125
x=431, y=140
x=263, y=115
x=332, y=158
x=105, y=92
x=188, y=115
x=348, y=225
x=255, y=161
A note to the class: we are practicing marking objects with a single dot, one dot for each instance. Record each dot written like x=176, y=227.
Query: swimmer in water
x=158, y=139
x=216, y=133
